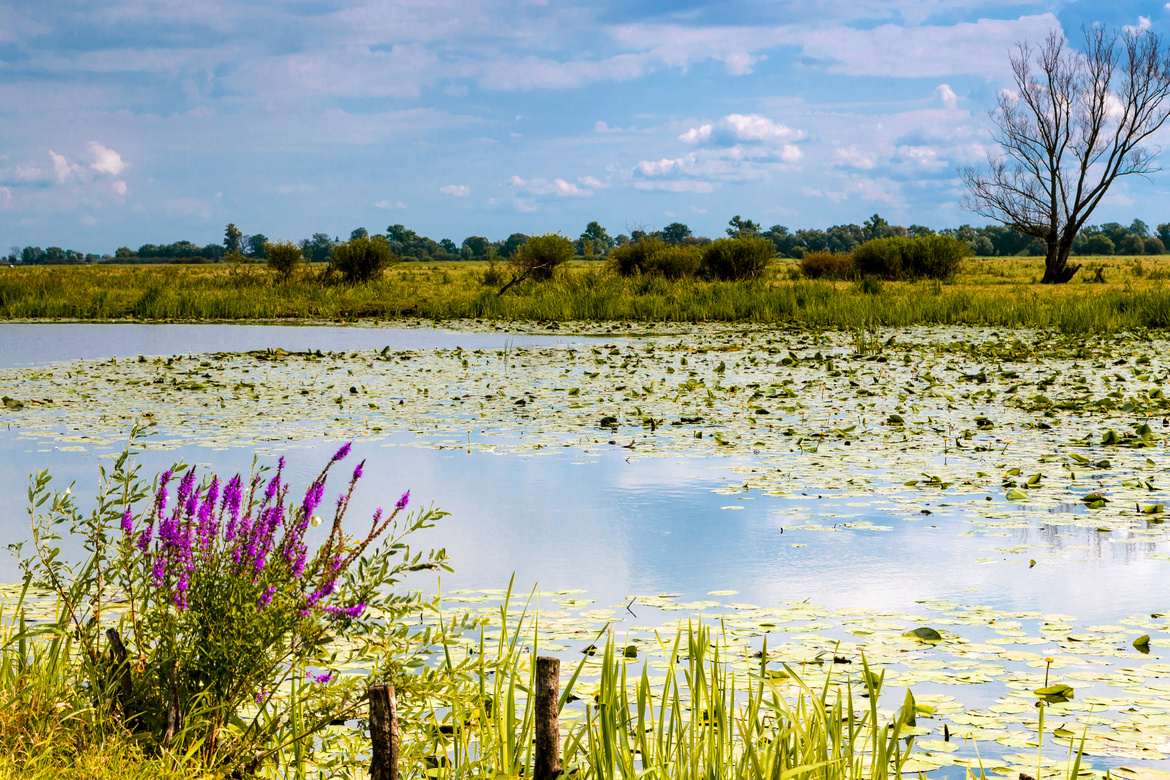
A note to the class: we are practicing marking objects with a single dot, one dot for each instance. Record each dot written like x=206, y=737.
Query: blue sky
x=131, y=121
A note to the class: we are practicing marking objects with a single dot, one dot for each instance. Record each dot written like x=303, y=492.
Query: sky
x=124, y=122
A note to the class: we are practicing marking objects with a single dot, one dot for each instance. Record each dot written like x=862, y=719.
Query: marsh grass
x=990, y=292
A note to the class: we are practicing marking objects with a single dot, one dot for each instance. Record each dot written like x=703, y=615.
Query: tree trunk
x=1056, y=267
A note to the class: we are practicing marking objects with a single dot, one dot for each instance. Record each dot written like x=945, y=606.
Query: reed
x=993, y=292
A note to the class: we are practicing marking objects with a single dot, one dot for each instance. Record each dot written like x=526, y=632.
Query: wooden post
x=121, y=672
x=547, y=765
x=174, y=716
x=383, y=733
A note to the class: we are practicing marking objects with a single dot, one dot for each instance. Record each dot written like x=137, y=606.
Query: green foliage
x=284, y=257
x=826, y=265
x=231, y=238
x=1098, y=244
x=735, y=259
x=361, y=259
x=541, y=255
x=924, y=257
x=655, y=257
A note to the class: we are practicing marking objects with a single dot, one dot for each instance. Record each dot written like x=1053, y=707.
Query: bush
x=541, y=255
x=925, y=257
x=361, y=258
x=1098, y=244
x=830, y=265
x=284, y=257
x=654, y=257
x=738, y=258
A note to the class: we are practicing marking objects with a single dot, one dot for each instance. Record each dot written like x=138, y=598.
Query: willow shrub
x=898, y=258
x=655, y=257
x=284, y=257
x=826, y=265
x=733, y=259
x=361, y=259
x=234, y=630
x=541, y=255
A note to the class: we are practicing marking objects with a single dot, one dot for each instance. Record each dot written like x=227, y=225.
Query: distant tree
x=981, y=246
x=742, y=228
x=449, y=246
x=1099, y=244
x=54, y=254
x=31, y=255
x=318, y=248
x=598, y=234
x=125, y=252
x=512, y=244
x=359, y=233
x=258, y=246
x=1154, y=246
x=844, y=238
x=1164, y=233
x=475, y=247
x=1139, y=228
x=231, y=238
x=875, y=227
x=914, y=231
x=676, y=233
x=404, y=235
x=1075, y=123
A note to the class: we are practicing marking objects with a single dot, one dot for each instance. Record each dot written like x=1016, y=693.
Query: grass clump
x=922, y=257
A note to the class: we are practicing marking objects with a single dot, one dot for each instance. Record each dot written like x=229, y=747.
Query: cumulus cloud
x=947, y=95
x=741, y=128
x=854, y=157
x=63, y=169
x=389, y=204
x=458, y=190
x=120, y=188
x=5, y=198
x=105, y=160
x=592, y=183
x=659, y=168
x=558, y=187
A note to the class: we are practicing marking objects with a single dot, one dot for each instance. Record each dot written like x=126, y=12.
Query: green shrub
x=829, y=265
x=284, y=257
x=929, y=257
x=737, y=258
x=654, y=257
x=361, y=258
x=541, y=255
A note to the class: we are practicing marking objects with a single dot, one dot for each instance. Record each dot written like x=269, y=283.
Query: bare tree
x=1076, y=123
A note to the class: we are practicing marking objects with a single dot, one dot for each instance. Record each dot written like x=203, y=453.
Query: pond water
x=743, y=472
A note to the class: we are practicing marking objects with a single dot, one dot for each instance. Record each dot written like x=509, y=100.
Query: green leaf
x=924, y=634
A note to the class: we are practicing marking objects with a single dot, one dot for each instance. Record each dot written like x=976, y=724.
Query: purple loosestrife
x=322, y=678
x=265, y=598
x=402, y=502
x=231, y=506
x=206, y=513
x=358, y=471
x=127, y=523
x=349, y=612
x=341, y=453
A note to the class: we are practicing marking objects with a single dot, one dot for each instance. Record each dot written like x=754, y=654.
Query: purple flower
x=127, y=523
x=341, y=453
x=322, y=678
x=231, y=505
x=349, y=612
x=266, y=598
x=357, y=472
x=260, y=696
x=402, y=502
x=313, y=497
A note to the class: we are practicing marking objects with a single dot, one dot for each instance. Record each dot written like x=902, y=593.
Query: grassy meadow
x=998, y=292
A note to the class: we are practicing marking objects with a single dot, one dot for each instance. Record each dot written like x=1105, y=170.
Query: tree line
x=595, y=242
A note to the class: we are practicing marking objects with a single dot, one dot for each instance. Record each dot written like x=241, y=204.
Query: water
x=599, y=517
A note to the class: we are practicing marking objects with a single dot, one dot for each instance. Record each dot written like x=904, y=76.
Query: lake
x=1006, y=488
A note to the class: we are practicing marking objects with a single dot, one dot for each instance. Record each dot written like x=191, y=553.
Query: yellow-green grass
x=998, y=292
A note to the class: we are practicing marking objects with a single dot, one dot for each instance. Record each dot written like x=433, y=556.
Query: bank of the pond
x=989, y=293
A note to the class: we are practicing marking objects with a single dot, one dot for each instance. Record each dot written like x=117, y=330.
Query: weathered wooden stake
x=547, y=765
x=383, y=733
x=174, y=718
x=121, y=672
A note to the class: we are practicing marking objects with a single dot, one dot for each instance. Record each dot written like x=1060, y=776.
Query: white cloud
x=119, y=187
x=675, y=186
x=458, y=190
x=558, y=187
x=601, y=127
x=741, y=128
x=920, y=157
x=659, y=168
x=1142, y=25
x=948, y=96
x=386, y=204
x=537, y=73
x=64, y=169
x=790, y=153
x=592, y=183
x=854, y=157
x=5, y=198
